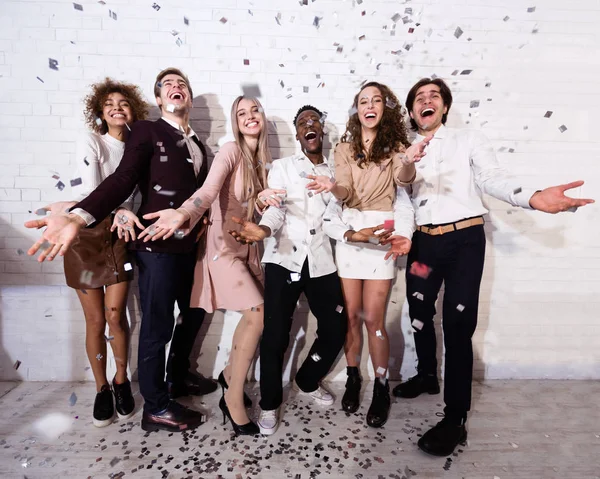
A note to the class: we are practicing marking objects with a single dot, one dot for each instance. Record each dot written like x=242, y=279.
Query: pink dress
x=228, y=274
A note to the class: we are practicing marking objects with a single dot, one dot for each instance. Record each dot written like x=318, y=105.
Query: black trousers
x=324, y=295
x=456, y=259
x=163, y=280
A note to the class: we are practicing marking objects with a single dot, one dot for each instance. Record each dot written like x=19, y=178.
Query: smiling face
x=175, y=91
x=116, y=111
x=370, y=107
x=428, y=108
x=309, y=132
x=249, y=119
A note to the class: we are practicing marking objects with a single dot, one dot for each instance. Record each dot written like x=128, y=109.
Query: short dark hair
x=169, y=71
x=307, y=108
x=444, y=92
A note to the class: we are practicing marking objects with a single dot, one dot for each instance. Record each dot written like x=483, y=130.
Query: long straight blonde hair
x=254, y=163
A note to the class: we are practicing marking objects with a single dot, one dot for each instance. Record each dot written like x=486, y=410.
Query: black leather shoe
x=378, y=413
x=248, y=429
x=104, y=409
x=351, y=398
x=193, y=385
x=124, y=402
x=224, y=385
x=442, y=439
x=174, y=418
x=419, y=384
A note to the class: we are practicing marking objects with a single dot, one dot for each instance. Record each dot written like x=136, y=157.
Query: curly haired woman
x=97, y=265
x=371, y=159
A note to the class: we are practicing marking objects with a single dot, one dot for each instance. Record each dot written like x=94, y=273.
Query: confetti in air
x=127, y=267
x=76, y=182
x=77, y=6
x=339, y=309
x=518, y=190
x=419, y=269
x=417, y=324
x=17, y=364
x=562, y=128
x=460, y=308
x=458, y=32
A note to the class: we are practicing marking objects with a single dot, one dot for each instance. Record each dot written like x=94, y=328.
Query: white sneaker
x=268, y=421
x=320, y=395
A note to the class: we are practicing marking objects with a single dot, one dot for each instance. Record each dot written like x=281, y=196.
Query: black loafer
x=193, y=385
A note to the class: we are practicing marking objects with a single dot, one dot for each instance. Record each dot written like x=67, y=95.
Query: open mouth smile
x=427, y=112
x=311, y=135
x=176, y=96
x=251, y=124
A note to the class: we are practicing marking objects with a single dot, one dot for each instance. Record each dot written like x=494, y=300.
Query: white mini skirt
x=364, y=260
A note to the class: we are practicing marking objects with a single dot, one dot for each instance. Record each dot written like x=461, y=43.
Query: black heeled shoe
x=248, y=429
x=224, y=385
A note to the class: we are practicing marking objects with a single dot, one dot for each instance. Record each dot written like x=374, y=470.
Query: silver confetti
x=474, y=104
x=562, y=128
x=53, y=64
x=460, y=308
x=339, y=309
x=458, y=32
x=77, y=6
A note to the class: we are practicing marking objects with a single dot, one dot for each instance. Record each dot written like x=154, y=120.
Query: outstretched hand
x=250, y=232
x=125, y=222
x=168, y=222
x=320, y=183
x=553, y=199
x=369, y=235
x=61, y=230
x=416, y=151
x=400, y=246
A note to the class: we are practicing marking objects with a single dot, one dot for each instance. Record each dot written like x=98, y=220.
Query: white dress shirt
x=459, y=166
x=297, y=227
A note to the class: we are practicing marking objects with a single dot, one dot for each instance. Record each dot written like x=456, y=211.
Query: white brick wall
x=541, y=288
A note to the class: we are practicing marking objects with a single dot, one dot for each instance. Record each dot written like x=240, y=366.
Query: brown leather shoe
x=174, y=418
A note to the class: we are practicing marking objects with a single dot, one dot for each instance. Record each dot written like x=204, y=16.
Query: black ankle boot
x=442, y=439
x=351, y=399
x=380, y=406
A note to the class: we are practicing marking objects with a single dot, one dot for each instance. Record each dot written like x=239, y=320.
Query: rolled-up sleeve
x=333, y=224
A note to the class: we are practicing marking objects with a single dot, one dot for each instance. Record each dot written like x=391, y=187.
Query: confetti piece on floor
x=72, y=399
x=514, y=446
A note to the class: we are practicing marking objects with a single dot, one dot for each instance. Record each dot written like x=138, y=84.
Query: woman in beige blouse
x=371, y=159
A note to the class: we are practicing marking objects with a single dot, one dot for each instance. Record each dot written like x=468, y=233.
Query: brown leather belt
x=443, y=229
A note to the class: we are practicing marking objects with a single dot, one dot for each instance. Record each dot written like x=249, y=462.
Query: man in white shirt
x=298, y=259
x=449, y=247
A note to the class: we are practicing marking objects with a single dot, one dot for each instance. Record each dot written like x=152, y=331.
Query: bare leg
x=245, y=341
x=375, y=293
x=92, y=302
x=115, y=301
x=352, y=289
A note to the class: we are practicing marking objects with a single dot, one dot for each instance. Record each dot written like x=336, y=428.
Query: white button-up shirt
x=297, y=227
x=459, y=166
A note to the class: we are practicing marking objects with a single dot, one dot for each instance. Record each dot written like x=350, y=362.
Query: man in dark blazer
x=167, y=161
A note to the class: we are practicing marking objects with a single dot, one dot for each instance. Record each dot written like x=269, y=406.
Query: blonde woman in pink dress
x=228, y=274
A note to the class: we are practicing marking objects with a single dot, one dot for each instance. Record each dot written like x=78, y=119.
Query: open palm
x=553, y=200
x=250, y=232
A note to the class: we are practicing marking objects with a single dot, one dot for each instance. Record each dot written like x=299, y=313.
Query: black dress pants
x=163, y=280
x=325, y=299
x=456, y=259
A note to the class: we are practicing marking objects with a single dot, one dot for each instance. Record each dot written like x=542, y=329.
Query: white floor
x=517, y=429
